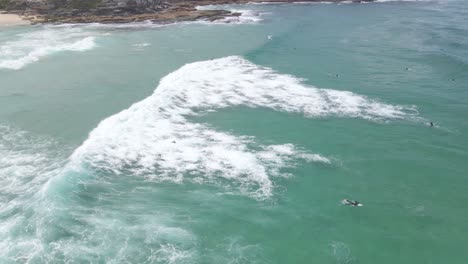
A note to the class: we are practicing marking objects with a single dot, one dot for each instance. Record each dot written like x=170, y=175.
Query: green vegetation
x=84, y=4
x=4, y=4
x=75, y=4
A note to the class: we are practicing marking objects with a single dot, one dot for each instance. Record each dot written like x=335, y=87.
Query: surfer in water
x=351, y=203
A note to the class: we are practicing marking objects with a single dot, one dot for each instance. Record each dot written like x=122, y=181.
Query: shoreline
x=174, y=12
x=9, y=19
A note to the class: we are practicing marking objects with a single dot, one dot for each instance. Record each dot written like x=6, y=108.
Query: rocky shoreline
x=125, y=11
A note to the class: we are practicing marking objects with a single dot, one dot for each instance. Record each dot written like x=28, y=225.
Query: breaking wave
x=79, y=209
x=156, y=138
x=39, y=224
x=33, y=46
x=26, y=163
x=246, y=16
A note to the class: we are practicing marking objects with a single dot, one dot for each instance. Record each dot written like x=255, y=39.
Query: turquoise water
x=236, y=142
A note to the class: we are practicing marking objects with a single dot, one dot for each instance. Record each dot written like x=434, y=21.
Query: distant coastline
x=116, y=11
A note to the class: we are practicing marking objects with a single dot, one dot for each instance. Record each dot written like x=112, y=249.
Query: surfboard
x=347, y=203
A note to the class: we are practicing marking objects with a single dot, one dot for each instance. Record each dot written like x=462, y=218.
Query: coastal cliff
x=122, y=11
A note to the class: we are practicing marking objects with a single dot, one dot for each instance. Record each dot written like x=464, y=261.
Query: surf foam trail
x=61, y=224
x=33, y=46
x=155, y=137
x=26, y=163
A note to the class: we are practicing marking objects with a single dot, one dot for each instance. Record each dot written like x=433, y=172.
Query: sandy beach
x=12, y=20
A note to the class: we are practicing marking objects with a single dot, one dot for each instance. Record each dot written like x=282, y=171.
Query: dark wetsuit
x=353, y=203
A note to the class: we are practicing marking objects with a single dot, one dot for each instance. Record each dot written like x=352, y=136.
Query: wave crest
x=155, y=137
x=32, y=47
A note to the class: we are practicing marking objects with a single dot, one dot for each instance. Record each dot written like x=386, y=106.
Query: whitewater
x=156, y=139
x=235, y=141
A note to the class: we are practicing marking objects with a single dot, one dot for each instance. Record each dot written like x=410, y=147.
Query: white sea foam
x=247, y=16
x=23, y=159
x=291, y=3
x=141, y=45
x=132, y=25
x=156, y=138
x=266, y=3
x=26, y=163
x=329, y=2
x=43, y=227
x=34, y=46
x=381, y=1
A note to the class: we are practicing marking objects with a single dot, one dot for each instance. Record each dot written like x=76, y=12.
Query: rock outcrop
x=121, y=11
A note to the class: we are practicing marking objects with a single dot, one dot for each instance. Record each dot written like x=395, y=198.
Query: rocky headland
x=123, y=11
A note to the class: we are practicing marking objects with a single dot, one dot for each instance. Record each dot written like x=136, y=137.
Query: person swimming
x=351, y=203
x=431, y=124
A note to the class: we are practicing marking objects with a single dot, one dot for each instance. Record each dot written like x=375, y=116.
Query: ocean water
x=235, y=141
